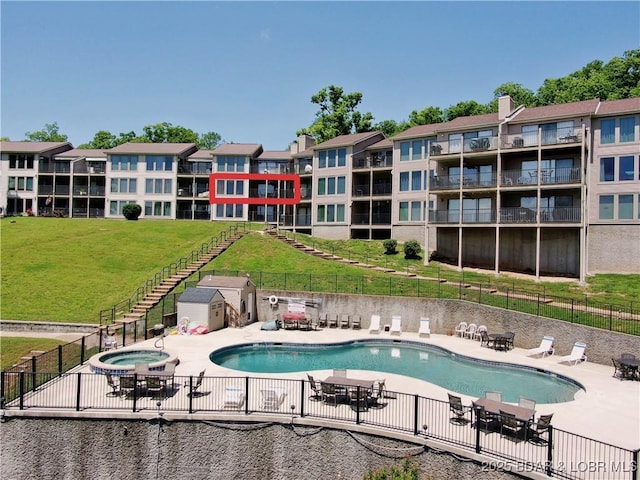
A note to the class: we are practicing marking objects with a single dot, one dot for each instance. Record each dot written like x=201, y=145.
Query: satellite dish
x=308, y=169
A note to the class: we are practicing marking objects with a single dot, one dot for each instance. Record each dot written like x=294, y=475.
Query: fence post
x=507, y=298
x=82, y=349
x=246, y=392
x=79, y=389
x=634, y=465
x=33, y=372
x=416, y=429
x=478, y=447
x=60, y=358
x=21, y=382
x=538, y=306
x=357, y=405
x=610, y=317
x=190, y=394
x=302, y=383
x=550, y=452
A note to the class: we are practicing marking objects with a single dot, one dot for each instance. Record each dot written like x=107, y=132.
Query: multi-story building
x=551, y=190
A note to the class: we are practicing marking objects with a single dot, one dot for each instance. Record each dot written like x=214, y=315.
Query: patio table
x=493, y=406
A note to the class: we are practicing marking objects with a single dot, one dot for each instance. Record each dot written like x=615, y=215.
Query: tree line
x=338, y=112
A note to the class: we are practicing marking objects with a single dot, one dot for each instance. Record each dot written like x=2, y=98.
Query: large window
x=229, y=211
x=607, y=169
x=622, y=168
x=331, y=213
x=416, y=150
x=332, y=158
x=411, y=211
x=230, y=164
x=123, y=185
x=124, y=162
x=455, y=142
x=331, y=185
x=20, y=160
x=608, y=130
x=21, y=184
x=230, y=187
x=626, y=168
x=606, y=207
x=404, y=181
x=625, y=207
x=157, y=209
x=627, y=129
x=404, y=151
x=158, y=185
x=159, y=163
x=115, y=206
x=416, y=180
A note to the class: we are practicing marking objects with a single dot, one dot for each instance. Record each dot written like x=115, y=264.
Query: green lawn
x=12, y=349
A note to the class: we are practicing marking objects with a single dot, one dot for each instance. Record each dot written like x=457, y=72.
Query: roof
x=201, y=155
x=275, y=155
x=245, y=149
x=305, y=153
x=198, y=295
x=152, y=148
x=471, y=121
x=418, y=131
x=386, y=143
x=347, y=140
x=83, y=153
x=31, y=147
x=586, y=107
x=612, y=107
x=224, y=282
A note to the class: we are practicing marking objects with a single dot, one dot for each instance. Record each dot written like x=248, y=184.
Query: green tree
x=464, y=109
x=519, y=94
x=338, y=115
x=209, y=140
x=165, y=132
x=50, y=133
x=390, y=127
x=426, y=116
x=5, y=139
x=103, y=139
x=412, y=249
x=131, y=211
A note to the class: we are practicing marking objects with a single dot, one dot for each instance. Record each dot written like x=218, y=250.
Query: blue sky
x=247, y=70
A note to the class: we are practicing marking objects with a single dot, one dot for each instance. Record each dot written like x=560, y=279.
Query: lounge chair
x=110, y=342
x=345, y=320
x=193, y=387
x=471, y=331
x=272, y=399
x=396, y=325
x=545, y=348
x=577, y=354
x=333, y=321
x=458, y=410
x=460, y=329
x=374, y=326
x=112, y=383
x=497, y=396
x=356, y=322
x=234, y=397
x=424, y=330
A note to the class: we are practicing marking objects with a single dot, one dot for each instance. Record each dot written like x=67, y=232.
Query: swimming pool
x=121, y=362
x=433, y=364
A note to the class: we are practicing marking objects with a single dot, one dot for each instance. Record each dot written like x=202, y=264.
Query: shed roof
x=199, y=295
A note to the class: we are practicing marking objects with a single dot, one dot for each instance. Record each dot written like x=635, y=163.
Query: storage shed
x=239, y=294
x=202, y=306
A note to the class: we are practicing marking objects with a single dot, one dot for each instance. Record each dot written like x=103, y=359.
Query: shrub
x=390, y=246
x=412, y=249
x=407, y=470
x=131, y=211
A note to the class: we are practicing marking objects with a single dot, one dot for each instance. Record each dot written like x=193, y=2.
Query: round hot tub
x=122, y=362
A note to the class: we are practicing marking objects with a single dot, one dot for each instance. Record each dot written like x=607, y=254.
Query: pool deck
x=608, y=410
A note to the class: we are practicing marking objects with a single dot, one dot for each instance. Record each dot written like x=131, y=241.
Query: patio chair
x=485, y=340
x=424, y=330
x=396, y=325
x=345, y=320
x=484, y=419
x=114, y=386
x=622, y=371
x=545, y=348
x=323, y=320
x=110, y=342
x=340, y=372
x=361, y=398
x=470, y=331
x=356, y=322
x=460, y=329
x=510, y=424
x=272, y=399
x=127, y=385
x=333, y=321
x=577, y=354
x=234, y=397
x=193, y=388
x=538, y=428
x=527, y=403
x=317, y=389
x=329, y=393
x=459, y=411
x=509, y=340
x=497, y=396
x=479, y=330
x=154, y=385
x=374, y=326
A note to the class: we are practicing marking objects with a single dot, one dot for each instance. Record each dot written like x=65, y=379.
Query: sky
x=248, y=70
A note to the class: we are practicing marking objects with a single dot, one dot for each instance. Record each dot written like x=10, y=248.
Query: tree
x=338, y=115
x=390, y=127
x=209, y=140
x=519, y=94
x=464, y=109
x=131, y=211
x=166, y=133
x=49, y=133
x=426, y=116
x=101, y=140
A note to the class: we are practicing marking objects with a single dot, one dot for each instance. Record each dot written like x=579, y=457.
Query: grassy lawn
x=12, y=349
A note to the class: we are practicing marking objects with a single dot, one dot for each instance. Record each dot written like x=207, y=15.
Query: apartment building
x=551, y=190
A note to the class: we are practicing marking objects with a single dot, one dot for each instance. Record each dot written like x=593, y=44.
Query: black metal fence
x=555, y=453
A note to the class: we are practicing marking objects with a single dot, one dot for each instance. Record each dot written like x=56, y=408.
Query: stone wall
x=446, y=314
x=125, y=449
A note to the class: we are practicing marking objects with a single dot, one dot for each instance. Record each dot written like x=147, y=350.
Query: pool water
x=133, y=357
x=436, y=365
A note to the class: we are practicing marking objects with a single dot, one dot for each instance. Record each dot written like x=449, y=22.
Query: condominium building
x=551, y=190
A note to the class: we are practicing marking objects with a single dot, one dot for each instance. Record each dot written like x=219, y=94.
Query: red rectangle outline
x=254, y=200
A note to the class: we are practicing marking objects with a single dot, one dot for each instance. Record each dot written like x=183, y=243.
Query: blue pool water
x=133, y=357
x=432, y=364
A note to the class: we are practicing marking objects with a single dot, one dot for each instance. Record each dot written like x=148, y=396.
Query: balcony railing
x=478, y=180
x=546, y=176
x=559, y=136
x=373, y=162
x=468, y=145
x=508, y=215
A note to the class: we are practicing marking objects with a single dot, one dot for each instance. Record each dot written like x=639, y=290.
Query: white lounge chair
x=471, y=331
x=460, y=329
x=424, y=330
x=577, y=354
x=374, y=326
x=233, y=398
x=272, y=399
x=545, y=348
x=396, y=325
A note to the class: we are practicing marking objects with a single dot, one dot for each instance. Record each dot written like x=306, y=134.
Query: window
x=606, y=207
x=331, y=185
x=322, y=159
x=455, y=142
x=321, y=214
x=625, y=207
x=416, y=180
x=627, y=129
x=159, y=163
x=626, y=168
x=404, y=181
x=331, y=213
x=21, y=184
x=404, y=151
x=403, y=212
x=158, y=185
x=232, y=187
x=530, y=135
x=230, y=164
x=342, y=157
x=115, y=206
x=123, y=185
x=340, y=213
x=416, y=150
x=124, y=162
x=224, y=210
x=322, y=186
x=608, y=130
x=606, y=169
x=157, y=209
x=341, y=185
x=20, y=160
x=415, y=211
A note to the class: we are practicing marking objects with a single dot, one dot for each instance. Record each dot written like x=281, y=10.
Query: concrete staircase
x=153, y=297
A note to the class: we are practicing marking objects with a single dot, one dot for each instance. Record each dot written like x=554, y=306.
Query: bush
x=390, y=246
x=412, y=249
x=131, y=211
x=407, y=470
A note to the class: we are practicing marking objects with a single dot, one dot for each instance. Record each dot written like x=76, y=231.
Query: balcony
x=569, y=136
x=468, y=145
x=546, y=176
x=508, y=215
x=452, y=182
x=384, y=161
